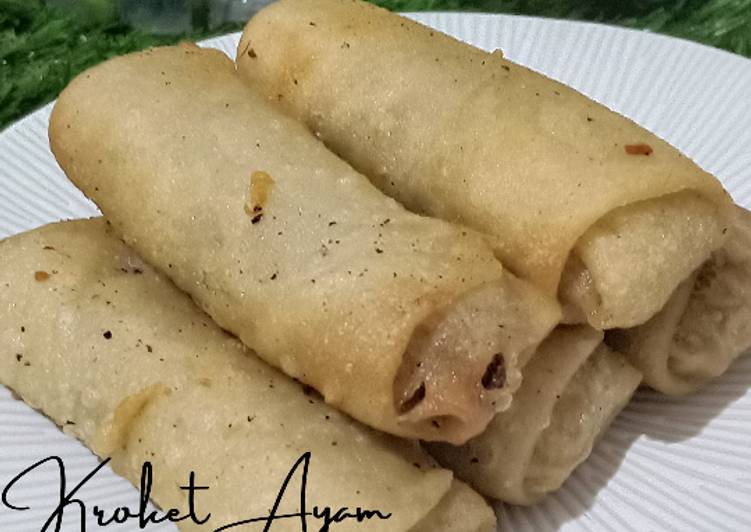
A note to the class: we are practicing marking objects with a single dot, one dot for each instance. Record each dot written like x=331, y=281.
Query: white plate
x=666, y=464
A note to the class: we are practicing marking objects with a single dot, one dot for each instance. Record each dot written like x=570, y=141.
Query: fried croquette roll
x=705, y=325
x=573, y=388
x=114, y=353
x=407, y=323
x=580, y=200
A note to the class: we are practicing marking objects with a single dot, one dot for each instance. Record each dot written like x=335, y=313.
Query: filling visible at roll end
x=573, y=388
x=462, y=364
x=705, y=325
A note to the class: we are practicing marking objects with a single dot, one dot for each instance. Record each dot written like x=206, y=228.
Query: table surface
x=42, y=46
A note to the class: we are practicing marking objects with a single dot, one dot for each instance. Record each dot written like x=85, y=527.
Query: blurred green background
x=43, y=44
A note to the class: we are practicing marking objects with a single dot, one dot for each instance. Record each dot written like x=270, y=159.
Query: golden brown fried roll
x=580, y=200
x=573, y=388
x=409, y=324
x=124, y=361
x=704, y=326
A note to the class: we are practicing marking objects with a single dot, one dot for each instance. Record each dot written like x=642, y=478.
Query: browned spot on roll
x=41, y=276
x=638, y=149
x=495, y=374
x=247, y=45
x=311, y=392
x=413, y=401
x=260, y=186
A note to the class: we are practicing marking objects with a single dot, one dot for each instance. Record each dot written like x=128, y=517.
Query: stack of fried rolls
x=446, y=245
